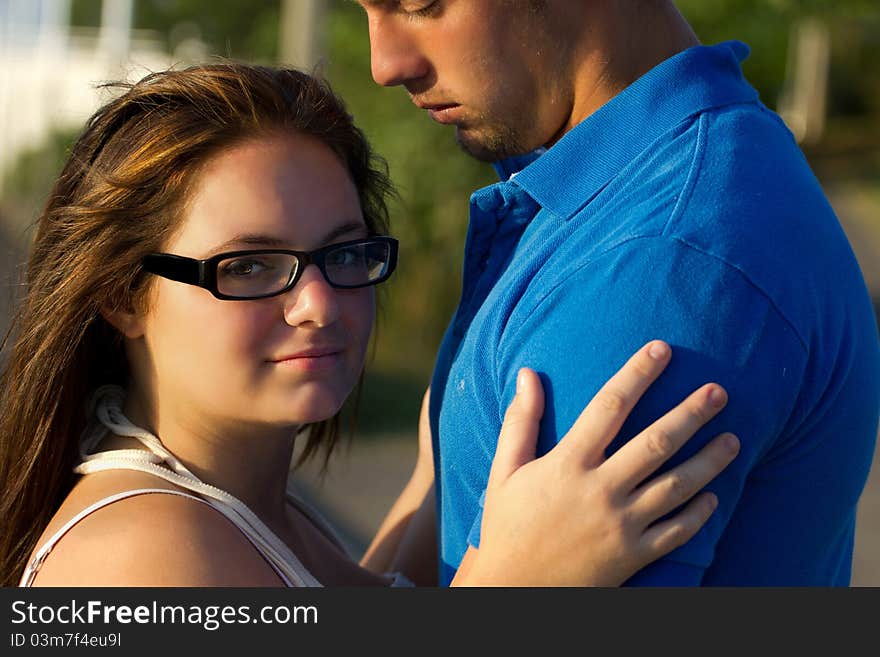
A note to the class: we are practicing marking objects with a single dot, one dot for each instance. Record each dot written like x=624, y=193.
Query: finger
x=600, y=421
x=662, y=538
x=642, y=455
x=519, y=433
x=670, y=490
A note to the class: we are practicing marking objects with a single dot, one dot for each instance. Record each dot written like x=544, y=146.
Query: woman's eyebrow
x=346, y=229
x=353, y=228
x=252, y=239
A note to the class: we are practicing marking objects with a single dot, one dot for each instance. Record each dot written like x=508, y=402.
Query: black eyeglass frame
x=203, y=273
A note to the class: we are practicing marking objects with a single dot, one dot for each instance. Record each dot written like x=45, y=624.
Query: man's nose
x=312, y=300
x=395, y=57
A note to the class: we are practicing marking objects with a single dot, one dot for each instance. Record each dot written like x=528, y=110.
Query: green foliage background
x=435, y=179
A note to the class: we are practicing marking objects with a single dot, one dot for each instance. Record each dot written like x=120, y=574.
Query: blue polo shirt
x=682, y=210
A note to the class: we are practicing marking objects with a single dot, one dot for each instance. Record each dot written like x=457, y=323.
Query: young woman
x=200, y=295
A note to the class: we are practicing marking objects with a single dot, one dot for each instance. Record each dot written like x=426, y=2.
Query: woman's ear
x=127, y=322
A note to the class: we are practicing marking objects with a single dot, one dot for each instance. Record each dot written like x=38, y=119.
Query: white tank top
x=158, y=461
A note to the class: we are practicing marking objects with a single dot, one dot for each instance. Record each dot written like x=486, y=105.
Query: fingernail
x=658, y=350
x=519, y=381
x=713, y=502
x=731, y=443
x=717, y=396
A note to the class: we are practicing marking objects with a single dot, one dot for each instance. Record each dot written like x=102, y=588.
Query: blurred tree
x=766, y=26
x=28, y=183
x=240, y=30
x=85, y=13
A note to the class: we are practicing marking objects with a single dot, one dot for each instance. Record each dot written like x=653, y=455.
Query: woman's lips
x=310, y=361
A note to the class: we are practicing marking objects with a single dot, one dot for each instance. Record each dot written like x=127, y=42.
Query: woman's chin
x=315, y=409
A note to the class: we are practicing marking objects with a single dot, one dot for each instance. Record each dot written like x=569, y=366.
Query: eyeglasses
x=261, y=273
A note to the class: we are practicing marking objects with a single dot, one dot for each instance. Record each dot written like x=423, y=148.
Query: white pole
x=114, y=40
x=299, y=38
x=5, y=87
x=804, y=103
x=54, y=25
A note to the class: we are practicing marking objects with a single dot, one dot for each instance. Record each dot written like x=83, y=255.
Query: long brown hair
x=117, y=199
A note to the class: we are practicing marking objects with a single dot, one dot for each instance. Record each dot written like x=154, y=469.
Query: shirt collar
x=561, y=179
x=511, y=166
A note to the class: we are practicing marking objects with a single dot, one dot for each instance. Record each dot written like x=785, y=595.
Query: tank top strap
x=159, y=461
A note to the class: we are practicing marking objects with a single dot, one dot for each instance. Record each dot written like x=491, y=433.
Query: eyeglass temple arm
x=176, y=268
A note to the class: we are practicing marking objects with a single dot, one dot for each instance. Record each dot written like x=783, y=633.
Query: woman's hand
x=575, y=518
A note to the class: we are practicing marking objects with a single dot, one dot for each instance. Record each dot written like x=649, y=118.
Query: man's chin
x=474, y=148
x=487, y=147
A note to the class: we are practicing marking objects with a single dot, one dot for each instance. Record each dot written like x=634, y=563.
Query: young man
x=645, y=193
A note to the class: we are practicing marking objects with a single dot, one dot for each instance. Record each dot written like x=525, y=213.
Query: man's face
x=495, y=69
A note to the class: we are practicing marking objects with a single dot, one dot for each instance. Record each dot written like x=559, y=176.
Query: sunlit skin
x=514, y=75
x=226, y=383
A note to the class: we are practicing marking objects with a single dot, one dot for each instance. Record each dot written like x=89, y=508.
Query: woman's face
x=283, y=360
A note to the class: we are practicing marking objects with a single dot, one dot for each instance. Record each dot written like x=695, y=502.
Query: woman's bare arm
x=406, y=541
x=155, y=540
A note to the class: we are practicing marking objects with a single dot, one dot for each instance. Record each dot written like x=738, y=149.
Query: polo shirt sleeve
x=587, y=320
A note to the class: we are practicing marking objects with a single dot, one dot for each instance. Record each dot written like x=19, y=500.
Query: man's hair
x=120, y=196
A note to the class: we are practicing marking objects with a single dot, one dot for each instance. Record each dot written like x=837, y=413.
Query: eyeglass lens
x=261, y=274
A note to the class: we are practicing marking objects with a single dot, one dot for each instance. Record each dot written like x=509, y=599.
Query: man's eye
x=426, y=9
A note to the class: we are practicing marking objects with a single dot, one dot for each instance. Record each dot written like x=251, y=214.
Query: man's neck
x=622, y=51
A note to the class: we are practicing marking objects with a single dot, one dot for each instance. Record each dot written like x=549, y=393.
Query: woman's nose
x=312, y=300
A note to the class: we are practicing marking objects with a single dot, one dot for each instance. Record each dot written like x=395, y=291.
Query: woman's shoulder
x=157, y=538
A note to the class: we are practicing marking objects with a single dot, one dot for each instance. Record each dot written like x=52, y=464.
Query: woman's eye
x=241, y=268
x=342, y=257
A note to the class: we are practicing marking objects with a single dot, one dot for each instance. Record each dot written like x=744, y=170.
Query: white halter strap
x=158, y=461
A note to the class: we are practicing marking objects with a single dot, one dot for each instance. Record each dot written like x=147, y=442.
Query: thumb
x=519, y=433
